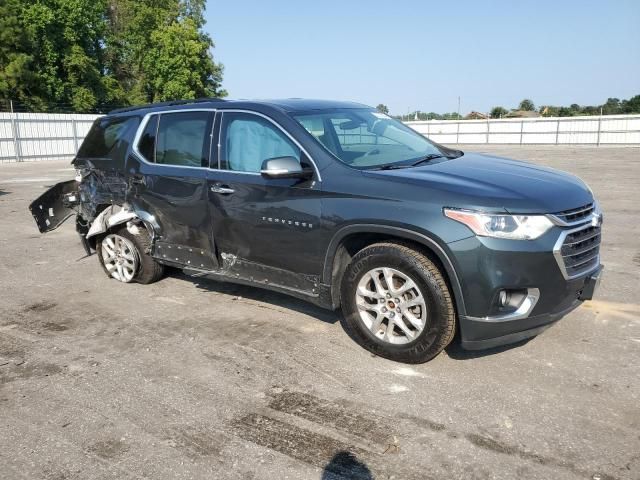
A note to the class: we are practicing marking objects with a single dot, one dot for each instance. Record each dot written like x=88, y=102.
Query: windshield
x=365, y=139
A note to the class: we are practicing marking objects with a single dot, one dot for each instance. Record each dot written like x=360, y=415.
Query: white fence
x=605, y=130
x=41, y=136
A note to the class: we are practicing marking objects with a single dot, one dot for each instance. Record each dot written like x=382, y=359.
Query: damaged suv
x=340, y=205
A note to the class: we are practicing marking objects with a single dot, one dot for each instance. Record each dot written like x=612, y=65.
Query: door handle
x=223, y=189
x=137, y=180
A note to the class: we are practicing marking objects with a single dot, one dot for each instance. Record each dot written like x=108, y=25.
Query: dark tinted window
x=183, y=139
x=249, y=140
x=147, y=144
x=108, y=138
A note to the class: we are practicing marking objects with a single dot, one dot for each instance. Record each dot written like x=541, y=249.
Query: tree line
x=613, y=106
x=94, y=55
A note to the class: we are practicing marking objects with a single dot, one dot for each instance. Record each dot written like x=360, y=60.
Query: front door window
x=248, y=140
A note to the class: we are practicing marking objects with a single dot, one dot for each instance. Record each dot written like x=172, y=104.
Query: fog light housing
x=510, y=304
x=510, y=299
x=503, y=298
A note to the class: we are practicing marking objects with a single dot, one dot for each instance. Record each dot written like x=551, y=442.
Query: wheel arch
x=352, y=238
x=114, y=215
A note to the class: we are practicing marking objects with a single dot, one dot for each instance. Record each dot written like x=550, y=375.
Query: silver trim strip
x=584, y=239
x=582, y=250
x=595, y=213
x=523, y=311
x=145, y=120
x=585, y=260
x=561, y=223
x=557, y=253
x=575, y=212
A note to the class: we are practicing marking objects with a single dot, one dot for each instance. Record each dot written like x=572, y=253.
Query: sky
x=423, y=55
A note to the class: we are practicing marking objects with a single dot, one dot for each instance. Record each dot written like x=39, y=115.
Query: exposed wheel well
x=353, y=243
x=87, y=224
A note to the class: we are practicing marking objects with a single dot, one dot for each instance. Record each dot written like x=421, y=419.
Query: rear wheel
x=123, y=256
x=396, y=303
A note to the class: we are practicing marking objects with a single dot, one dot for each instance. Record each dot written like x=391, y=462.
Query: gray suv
x=340, y=205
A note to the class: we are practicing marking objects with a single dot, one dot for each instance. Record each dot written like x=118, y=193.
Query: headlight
x=514, y=227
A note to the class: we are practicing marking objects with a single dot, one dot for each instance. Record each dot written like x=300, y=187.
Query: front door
x=168, y=176
x=270, y=223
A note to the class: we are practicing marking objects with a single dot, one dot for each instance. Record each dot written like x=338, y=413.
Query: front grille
x=579, y=251
x=575, y=214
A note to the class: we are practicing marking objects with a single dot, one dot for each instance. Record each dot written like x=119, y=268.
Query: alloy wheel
x=120, y=257
x=391, y=305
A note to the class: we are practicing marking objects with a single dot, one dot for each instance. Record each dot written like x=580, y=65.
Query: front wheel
x=396, y=303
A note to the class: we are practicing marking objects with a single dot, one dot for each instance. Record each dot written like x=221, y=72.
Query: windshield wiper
x=428, y=158
x=391, y=166
x=395, y=166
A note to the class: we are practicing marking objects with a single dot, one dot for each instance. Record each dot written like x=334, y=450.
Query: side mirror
x=284, y=167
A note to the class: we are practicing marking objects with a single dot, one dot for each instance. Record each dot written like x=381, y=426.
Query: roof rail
x=166, y=104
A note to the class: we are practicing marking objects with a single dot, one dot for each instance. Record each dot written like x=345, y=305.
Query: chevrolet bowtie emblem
x=596, y=220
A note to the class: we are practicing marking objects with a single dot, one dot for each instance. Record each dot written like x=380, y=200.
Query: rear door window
x=183, y=139
x=178, y=138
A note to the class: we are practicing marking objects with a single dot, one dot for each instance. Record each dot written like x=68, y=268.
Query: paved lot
x=194, y=379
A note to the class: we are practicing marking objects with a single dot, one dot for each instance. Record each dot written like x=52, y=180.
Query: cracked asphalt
x=191, y=379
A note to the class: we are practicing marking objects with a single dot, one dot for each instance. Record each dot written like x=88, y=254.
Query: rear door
x=168, y=177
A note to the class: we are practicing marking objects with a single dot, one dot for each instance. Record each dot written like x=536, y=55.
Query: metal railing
x=41, y=136
x=587, y=130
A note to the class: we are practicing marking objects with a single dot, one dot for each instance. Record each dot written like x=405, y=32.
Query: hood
x=482, y=181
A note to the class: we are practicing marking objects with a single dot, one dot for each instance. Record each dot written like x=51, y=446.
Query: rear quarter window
x=109, y=138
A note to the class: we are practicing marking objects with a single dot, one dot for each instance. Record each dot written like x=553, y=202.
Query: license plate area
x=591, y=284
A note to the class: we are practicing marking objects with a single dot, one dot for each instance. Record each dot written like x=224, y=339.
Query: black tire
x=149, y=270
x=440, y=326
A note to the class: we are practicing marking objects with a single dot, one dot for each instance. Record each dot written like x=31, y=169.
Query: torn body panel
x=109, y=218
x=88, y=197
x=53, y=207
x=99, y=188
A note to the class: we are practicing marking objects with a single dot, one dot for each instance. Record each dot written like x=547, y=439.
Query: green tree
x=382, y=108
x=65, y=38
x=128, y=39
x=526, y=105
x=565, y=112
x=179, y=64
x=17, y=80
x=631, y=106
x=498, y=112
x=548, y=111
x=84, y=55
x=612, y=106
